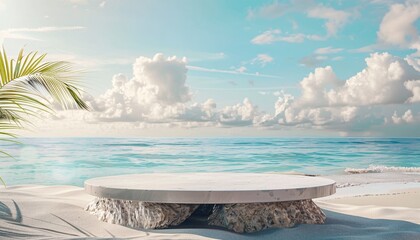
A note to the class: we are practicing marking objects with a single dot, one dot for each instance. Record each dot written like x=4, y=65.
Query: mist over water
x=70, y=161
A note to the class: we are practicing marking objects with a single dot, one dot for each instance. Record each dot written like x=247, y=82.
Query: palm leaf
x=2, y=181
x=27, y=85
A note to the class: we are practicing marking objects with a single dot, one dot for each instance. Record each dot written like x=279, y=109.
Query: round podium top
x=210, y=188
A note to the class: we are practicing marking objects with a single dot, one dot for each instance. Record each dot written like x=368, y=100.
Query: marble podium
x=241, y=202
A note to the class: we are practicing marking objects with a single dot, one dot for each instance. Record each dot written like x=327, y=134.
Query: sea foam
x=381, y=168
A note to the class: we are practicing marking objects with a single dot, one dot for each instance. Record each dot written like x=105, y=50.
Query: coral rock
x=252, y=217
x=137, y=214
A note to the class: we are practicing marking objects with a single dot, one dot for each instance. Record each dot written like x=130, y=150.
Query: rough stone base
x=240, y=217
x=252, y=217
x=140, y=214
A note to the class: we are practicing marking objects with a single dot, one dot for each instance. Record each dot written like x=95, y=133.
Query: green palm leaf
x=28, y=85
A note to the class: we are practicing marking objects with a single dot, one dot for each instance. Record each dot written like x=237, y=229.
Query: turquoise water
x=73, y=160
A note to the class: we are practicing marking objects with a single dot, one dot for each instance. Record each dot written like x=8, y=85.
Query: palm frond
x=57, y=78
x=27, y=85
x=2, y=181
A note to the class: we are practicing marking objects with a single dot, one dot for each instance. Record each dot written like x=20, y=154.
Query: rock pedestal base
x=140, y=214
x=252, y=217
x=240, y=217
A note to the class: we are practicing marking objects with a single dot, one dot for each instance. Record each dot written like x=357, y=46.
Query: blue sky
x=234, y=50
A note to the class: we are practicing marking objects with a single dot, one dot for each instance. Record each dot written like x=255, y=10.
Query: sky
x=228, y=68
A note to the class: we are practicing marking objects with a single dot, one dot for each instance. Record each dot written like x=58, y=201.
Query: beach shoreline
x=356, y=210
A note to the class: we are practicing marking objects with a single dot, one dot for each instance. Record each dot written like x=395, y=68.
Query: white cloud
x=162, y=79
x=271, y=36
x=413, y=61
x=156, y=91
x=44, y=29
x=398, y=29
x=381, y=82
x=277, y=93
x=313, y=60
x=386, y=80
x=102, y=4
x=335, y=19
x=292, y=38
x=414, y=87
x=92, y=63
x=272, y=10
x=277, y=9
x=356, y=103
x=344, y=119
x=241, y=69
x=202, y=69
x=201, y=112
x=314, y=87
x=22, y=33
x=328, y=50
x=266, y=37
x=397, y=26
x=365, y=49
x=262, y=59
x=319, y=56
x=157, y=96
x=396, y=119
x=242, y=114
x=407, y=117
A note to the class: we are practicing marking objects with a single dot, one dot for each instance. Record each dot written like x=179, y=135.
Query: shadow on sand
x=337, y=226
x=17, y=229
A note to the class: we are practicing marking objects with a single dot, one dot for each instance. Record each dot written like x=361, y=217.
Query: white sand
x=373, y=211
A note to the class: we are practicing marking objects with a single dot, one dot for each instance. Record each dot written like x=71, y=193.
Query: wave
x=381, y=169
x=347, y=184
x=254, y=143
x=127, y=145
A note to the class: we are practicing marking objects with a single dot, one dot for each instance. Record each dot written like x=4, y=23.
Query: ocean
x=70, y=161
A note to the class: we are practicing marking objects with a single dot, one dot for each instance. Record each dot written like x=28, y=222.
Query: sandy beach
x=186, y=119
x=363, y=208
